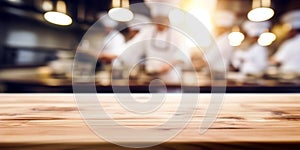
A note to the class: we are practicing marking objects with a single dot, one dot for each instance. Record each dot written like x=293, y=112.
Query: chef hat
x=224, y=18
x=292, y=18
x=107, y=21
x=255, y=29
x=137, y=22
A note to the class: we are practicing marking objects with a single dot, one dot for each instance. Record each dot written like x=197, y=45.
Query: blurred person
x=160, y=46
x=287, y=57
x=251, y=58
x=136, y=25
x=113, y=41
x=224, y=21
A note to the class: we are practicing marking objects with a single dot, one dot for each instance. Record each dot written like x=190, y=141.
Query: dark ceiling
x=82, y=11
x=86, y=11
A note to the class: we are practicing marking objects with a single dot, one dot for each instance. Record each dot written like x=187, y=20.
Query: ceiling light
x=266, y=39
x=260, y=14
x=268, y=35
x=261, y=11
x=59, y=17
x=236, y=37
x=120, y=14
x=120, y=11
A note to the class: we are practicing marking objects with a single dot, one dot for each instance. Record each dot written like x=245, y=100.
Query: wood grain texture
x=52, y=121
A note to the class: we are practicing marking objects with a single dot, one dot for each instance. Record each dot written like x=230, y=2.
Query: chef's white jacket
x=224, y=49
x=113, y=43
x=253, y=60
x=288, y=55
x=158, y=49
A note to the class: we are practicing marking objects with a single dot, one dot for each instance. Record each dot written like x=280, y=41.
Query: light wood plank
x=44, y=120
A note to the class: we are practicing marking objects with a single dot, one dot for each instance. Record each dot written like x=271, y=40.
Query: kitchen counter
x=52, y=121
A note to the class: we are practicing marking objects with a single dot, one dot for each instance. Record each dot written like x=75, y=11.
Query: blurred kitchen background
x=34, y=52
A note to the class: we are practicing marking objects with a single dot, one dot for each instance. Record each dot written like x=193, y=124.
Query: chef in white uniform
x=224, y=20
x=137, y=24
x=161, y=46
x=113, y=41
x=288, y=54
x=253, y=58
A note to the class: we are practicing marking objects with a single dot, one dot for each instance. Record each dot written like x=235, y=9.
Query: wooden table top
x=52, y=121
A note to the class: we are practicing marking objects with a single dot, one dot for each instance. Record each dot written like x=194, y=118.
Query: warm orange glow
x=201, y=9
x=116, y=3
x=266, y=3
x=61, y=7
x=47, y=5
x=125, y=3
